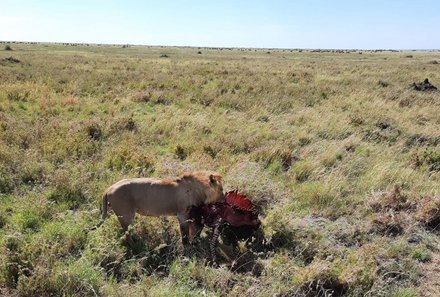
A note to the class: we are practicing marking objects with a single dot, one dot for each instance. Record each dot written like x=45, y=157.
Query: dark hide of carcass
x=235, y=219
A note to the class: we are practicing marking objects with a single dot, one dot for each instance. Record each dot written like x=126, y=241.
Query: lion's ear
x=212, y=179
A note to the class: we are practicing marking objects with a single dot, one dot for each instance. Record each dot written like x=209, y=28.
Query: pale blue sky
x=363, y=24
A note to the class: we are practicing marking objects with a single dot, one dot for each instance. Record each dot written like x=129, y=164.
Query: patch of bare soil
x=431, y=278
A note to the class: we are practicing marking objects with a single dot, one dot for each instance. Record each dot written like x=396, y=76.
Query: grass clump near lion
x=311, y=137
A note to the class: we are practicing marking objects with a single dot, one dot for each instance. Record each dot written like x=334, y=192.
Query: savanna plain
x=339, y=152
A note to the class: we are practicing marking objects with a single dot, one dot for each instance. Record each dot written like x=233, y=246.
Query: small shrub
x=263, y=119
x=8, y=47
x=28, y=220
x=302, y=238
x=383, y=124
x=210, y=151
x=180, y=152
x=206, y=101
x=396, y=264
x=330, y=160
x=32, y=173
x=64, y=238
x=7, y=183
x=385, y=130
x=15, y=261
x=94, y=131
x=422, y=140
x=304, y=140
x=143, y=96
x=79, y=278
x=277, y=160
x=3, y=219
x=302, y=171
x=188, y=272
x=286, y=161
x=394, y=200
x=432, y=159
x=130, y=125
x=103, y=248
x=144, y=166
x=405, y=103
x=415, y=161
x=18, y=96
x=356, y=120
x=11, y=60
x=387, y=224
x=240, y=148
x=404, y=292
x=421, y=254
x=124, y=123
x=162, y=101
x=38, y=283
x=67, y=190
x=316, y=196
x=321, y=279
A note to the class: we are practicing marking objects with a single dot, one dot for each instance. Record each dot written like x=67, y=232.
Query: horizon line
x=212, y=47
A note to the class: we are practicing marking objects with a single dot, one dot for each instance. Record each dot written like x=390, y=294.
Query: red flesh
x=237, y=211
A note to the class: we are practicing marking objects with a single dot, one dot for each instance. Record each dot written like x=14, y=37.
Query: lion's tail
x=103, y=212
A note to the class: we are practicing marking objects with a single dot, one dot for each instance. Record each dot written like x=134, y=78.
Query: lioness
x=163, y=197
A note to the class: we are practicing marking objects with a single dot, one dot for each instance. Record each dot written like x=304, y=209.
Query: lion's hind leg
x=123, y=210
x=126, y=219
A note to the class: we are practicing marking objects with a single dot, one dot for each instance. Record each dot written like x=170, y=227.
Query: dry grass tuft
x=387, y=224
x=395, y=200
x=428, y=212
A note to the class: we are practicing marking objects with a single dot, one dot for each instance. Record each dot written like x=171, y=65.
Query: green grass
x=313, y=138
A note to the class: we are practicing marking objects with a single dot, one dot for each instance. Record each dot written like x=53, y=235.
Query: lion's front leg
x=213, y=241
x=195, y=222
x=194, y=230
x=184, y=228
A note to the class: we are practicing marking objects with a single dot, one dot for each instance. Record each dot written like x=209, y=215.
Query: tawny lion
x=163, y=197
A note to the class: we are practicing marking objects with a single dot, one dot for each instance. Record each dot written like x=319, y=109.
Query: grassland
x=340, y=153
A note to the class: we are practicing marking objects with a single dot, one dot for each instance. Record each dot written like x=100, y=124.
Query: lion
x=163, y=197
